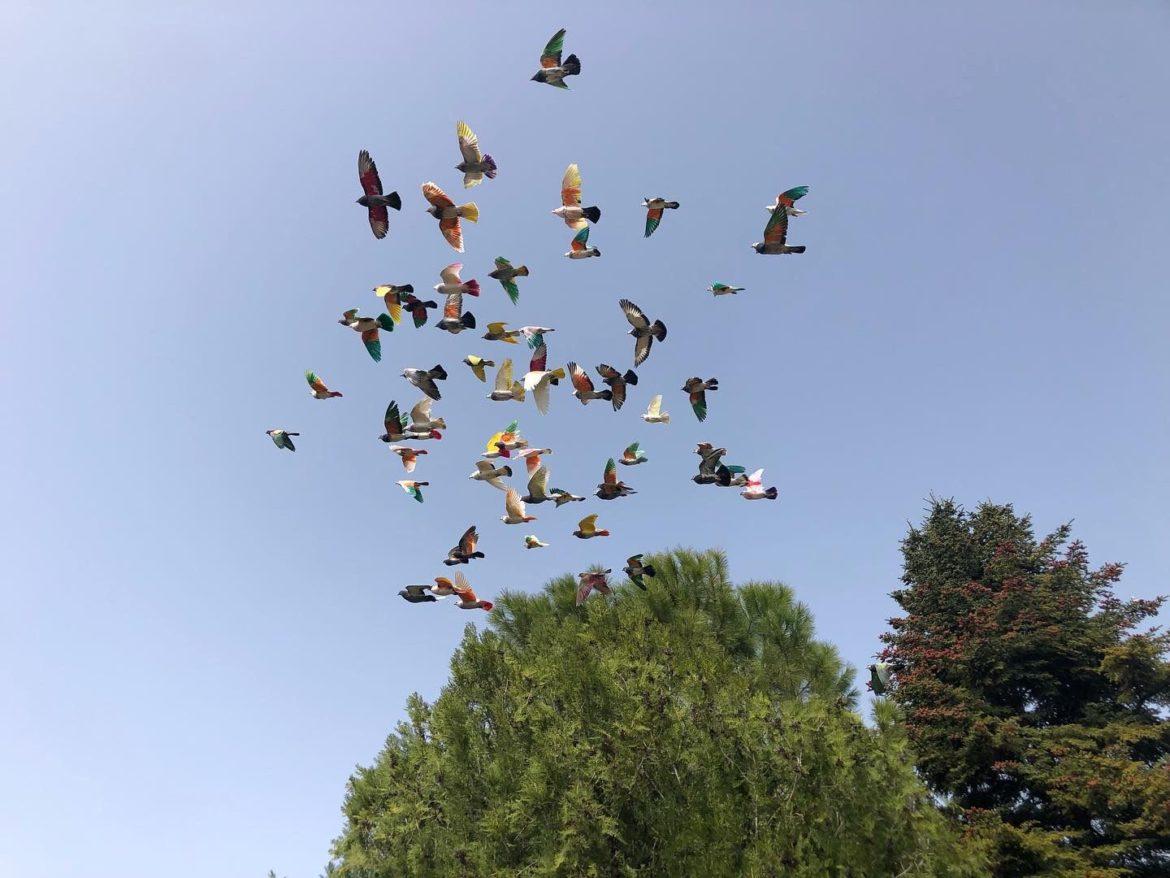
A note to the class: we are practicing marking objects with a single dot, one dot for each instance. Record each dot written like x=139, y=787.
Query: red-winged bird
x=373, y=199
x=448, y=214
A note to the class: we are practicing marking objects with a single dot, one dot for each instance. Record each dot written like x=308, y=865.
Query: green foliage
x=1030, y=697
x=690, y=730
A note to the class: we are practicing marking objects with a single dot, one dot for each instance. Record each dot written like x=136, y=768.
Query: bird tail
x=593, y=214
x=491, y=170
x=799, y=249
x=386, y=322
x=601, y=533
x=711, y=384
x=631, y=376
x=491, y=363
x=477, y=555
x=487, y=605
x=430, y=303
x=648, y=570
x=771, y=493
x=606, y=394
x=292, y=434
x=659, y=330
x=470, y=212
x=471, y=287
x=521, y=271
x=335, y=393
x=439, y=373
x=392, y=200
x=518, y=391
x=406, y=288
x=672, y=204
x=571, y=65
x=596, y=251
x=506, y=470
x=435, y=434
x=468, y=320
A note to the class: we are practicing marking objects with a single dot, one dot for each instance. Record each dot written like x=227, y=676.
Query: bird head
x=758, y=247
x=269, y=432
x=433, y=211
x=539, y=76
x=363, y=201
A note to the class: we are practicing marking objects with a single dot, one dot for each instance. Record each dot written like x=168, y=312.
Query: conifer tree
x=694, y=729
x=1031, y=697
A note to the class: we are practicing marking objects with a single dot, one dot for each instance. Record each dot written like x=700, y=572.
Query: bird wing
x=538, y=484
x=551, y=56
x=379, y=220
x=409, y=460
x=368, y=175
x=450, y=274
x=468, y=144
x=610, y=476
x=417, y=590
x=756, y=478
x=316, y=383
x=468, y=541
x=634, y=561
x=580, y=240
x=484, y=466
x=453, y=307
x=654, y=410
x=393, y=419
x=776, y=231
x=428, y=386
x=461, y=585
x=540, y=393
x=539, y=359
x=513, y=505
x=571, y=186
x=501, y=262
x=421, y=413
x=653, y=218
x=453, y=232
x=642, y=349
x=491, y=443
x=478, y=370
x=532, y=461
x=583, y=590
x=789, y=197
x=436, y=196
x=634, y=314
x=393, y=304
x=504, y=377
x=631, y=452
x=699, y=404
x=588, y=524
x=582, y=383
x=618, y=391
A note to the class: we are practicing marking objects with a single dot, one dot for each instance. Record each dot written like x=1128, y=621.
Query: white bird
x=755, y=489
x=514, y=512
x=421, y=420
x=538, y=383
x=654, y=413
x=485, y=472
x=506, y=389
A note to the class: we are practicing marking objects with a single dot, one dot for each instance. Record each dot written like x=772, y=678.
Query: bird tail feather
x=799, y=249
x=470, y=212
x=631, y=376
x=392, y=200
x=771, y=493
x=471, y=287
x=406, y=288
x=593, y=214
x=522, y=271
x=491, y=169
x=439, y=373
x=468, y=320
x=571, y=65
x=606, y=394
x=659, y=330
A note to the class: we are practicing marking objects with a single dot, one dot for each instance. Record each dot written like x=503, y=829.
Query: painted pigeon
x=478, y=365
x=368, y=328
x=414, y=489
x=492, y=475
x=421, y=420
x=590, y=581
x=579, y=247
x=633, y=455
x=394, y=295
x=281, y=438
x=538, y=379
x=879, y=678
x=587, y=528
x=475, y=165
x=317, y=388
x=789, y=199
x=697, y=389
x=611, y=488
x=538, y=487
x=453, y=320
x=776, y=235
x=397, y=427
x=533, y=542
x=502, y=444
x=466, y=549
x=499, y=332
x=635, y=569
x=552, y=69
x=654, y=208
x=722, y=289
x=448, y=214
x=644, y=332
x=505, y=388
x=408, y=455
x=424, y=379
x=467, y=599
x=514, y=511
x=583, y=385
x=755, y=489
x=571, y=211
x=506, y=274
x=373, y=199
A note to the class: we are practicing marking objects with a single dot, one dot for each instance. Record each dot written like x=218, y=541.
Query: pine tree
x=693, y=729
x=1030, y=696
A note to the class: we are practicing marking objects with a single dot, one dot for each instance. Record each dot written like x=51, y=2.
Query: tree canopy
x=1031, y=697
x=691, y=729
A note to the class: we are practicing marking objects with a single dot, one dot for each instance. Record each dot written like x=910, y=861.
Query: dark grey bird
x=372, y=198
x=644, y=332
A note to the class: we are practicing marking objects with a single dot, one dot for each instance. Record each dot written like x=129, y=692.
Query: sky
x=200, y=635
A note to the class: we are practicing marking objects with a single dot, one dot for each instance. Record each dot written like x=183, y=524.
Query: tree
x=1030, y=696
x=691, y=729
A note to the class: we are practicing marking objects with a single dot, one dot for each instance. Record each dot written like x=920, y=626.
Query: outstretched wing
x=368, y=175
x=551, y=56
x=539, y=359
x=450, y=274
x=393, y=420
x=789, y=197
x=468, y=144
x=421, y=413
x=571, y=186
x=653, y=218
x=634, y=314
x=580, y=240
x=610, y=477
x=538, y=484
x=699, y=404
x=504, y=377
x=655, y=407
x=582, y=383
x=316, y=383
x=436, y=196
x=776, y=231
x=588, y=524
x=453, y=306
x=631, y=452
x=468, y=541
x=513, y=505
x=453, y=232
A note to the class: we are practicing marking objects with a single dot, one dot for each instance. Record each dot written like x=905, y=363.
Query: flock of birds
x=403, y=431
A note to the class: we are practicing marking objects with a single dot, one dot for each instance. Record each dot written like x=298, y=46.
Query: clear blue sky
x=200, y=634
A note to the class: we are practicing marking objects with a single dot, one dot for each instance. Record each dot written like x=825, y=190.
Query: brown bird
x=611, y=487
x=697, y=389
x=465, y=550
x=591, y=580
x=617, y=383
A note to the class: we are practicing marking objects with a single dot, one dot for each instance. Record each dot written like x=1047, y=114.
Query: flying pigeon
x=475, y=165
x=579, y=247
x=755, y=489
x=281, y=438
x=466, y=550
x=587, y=528
x=453, y=288
x=611, y=488
x=409, y=456
x=506, y=388
x=533, y=542
x=722, y=289
x=507, y=275
x=467, y=599
x=633, y=455
x=552, y=70
x=776, y=235
x=514, y=512
x=654, y=208
x=697, y=388
x=531, y=457
x=562, y=497
x=617, y=383
x=414, y=489
x=444, y=587
x=485, y=472
x=499, y=332
x=654, y=413
x=583, y=385
x=373, y=199
x=502, y=444
x=709, y=463
x=478, y=364
x=635, y=569
x=394, y=297
x=590, y=581
x=419, y=594
x=789, y=199
x=421, y=420
x=444, y=210
x=644, y=332
x=397, y=427
x=368, y=327
x=317, y=388
x=538, y=380
x=571, y=211
x=538, y=487
x=879, y=678
x=424, y=379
